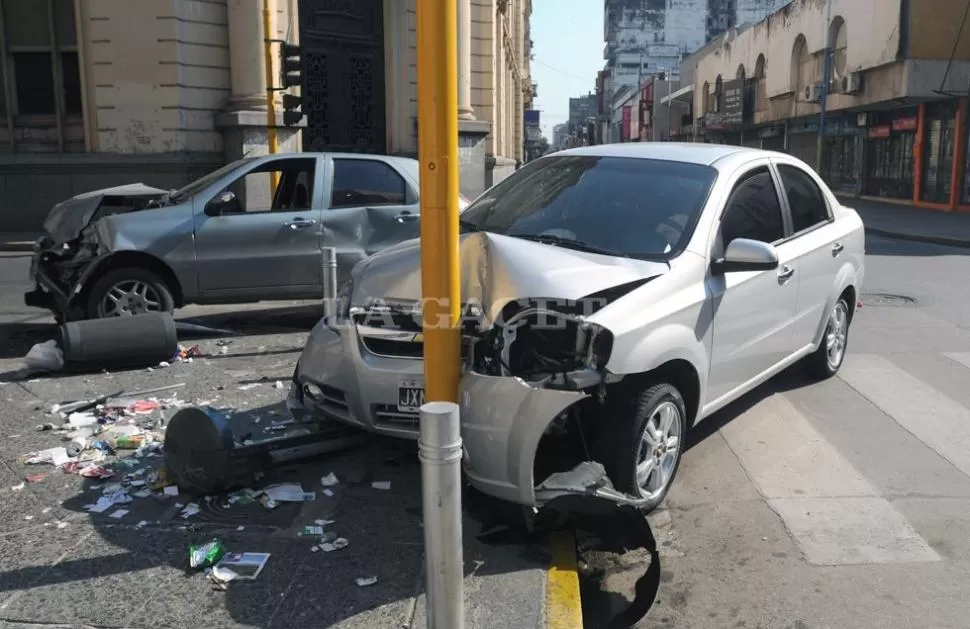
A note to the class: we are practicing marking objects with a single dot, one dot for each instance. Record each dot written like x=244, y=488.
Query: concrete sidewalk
x=907, y=222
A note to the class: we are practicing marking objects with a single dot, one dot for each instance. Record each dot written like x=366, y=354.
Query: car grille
x=396, y=349
x=388, y=416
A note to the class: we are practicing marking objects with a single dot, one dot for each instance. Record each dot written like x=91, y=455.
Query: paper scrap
x=171, y=490
x=381, y=484
x=329, y=480
x=120, y=513
x=245, y=566
x=366, y=581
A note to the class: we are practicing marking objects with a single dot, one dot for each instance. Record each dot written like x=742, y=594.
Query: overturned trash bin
x=134, y=341
x=203, y=455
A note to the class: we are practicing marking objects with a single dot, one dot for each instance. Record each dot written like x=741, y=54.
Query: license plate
x=410, y=397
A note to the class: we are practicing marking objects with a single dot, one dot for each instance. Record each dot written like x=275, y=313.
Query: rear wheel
x=642, y=442
x=827, y=359
x=128, y=291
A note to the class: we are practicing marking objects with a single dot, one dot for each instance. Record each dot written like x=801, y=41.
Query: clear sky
x=568, y=49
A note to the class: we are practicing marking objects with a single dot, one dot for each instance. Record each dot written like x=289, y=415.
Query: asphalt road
x=839, y=504
x=62, y=566
x=803, y=506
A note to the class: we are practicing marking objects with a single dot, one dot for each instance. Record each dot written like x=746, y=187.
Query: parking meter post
x=440, y=451
x=329, y=268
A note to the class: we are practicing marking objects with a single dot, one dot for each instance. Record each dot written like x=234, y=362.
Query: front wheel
x=642, y=442
x=828, y=358
x=128, y=291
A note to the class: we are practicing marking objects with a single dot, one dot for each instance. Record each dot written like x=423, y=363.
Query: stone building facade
x=896, y=108
x=96, y=93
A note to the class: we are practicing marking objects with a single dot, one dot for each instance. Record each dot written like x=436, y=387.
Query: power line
x=554, y=69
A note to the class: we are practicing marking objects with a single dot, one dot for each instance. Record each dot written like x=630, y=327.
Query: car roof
x=687, y=152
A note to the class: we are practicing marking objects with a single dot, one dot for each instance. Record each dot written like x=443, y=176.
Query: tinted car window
x=804, y=197
x=366, y=182
x=636, y=207
x=753, y=211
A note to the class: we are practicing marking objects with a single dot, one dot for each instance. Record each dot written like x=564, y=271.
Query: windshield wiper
x=570, y=243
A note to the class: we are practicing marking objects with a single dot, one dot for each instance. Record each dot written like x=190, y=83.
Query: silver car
x=252, y=230
x=613, y=296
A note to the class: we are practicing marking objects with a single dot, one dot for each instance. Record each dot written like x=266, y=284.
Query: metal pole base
x=440, y=451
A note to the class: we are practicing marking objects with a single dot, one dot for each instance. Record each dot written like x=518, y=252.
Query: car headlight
x=536, y=343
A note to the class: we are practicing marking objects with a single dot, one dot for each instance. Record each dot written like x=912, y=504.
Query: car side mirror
x=743, y=254
x=223, y=203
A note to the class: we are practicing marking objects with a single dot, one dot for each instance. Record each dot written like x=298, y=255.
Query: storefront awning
x=683, y=96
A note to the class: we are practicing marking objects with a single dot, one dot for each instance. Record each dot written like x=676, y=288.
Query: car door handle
x=837, y=248
x=299, y=223
x=785, y=273
x=406, y=217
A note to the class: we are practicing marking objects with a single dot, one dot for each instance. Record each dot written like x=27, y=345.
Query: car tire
x=826, y=361
x=625, y=446
x=157, y=295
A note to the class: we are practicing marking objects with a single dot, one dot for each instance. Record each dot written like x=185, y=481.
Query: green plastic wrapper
x=206, y=555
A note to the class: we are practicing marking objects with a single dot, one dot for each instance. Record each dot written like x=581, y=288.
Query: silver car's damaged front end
x=534, y=364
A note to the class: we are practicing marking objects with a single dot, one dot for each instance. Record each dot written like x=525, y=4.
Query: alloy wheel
x=658, y=451
x=129, y=297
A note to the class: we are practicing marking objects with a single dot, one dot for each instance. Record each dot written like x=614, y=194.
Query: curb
x=933, y=240
x=564, y=608
x=23, y=246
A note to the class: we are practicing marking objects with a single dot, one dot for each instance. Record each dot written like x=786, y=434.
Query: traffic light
x=291, y=110
x=291, y=65
x=291, y=75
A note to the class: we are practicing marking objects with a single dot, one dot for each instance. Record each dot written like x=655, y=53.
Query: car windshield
x=640, y=208
x=197, y=186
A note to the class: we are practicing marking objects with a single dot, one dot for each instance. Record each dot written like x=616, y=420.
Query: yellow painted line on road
x=564, y=609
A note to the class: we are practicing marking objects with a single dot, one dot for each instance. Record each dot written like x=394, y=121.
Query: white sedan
x=614, y=296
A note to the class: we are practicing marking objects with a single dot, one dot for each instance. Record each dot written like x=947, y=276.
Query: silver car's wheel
x=826, y=361
x=640, y=440
x=128, y=291
x=129, y=297
x=836, y=334
x=660, y=445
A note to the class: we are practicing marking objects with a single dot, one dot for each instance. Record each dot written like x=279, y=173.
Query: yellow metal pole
x=437, y=25
x=270, y=92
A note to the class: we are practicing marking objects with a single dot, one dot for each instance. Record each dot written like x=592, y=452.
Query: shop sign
x=769, y=132
x=905, y=124
x=732, y=108
x=882, y=131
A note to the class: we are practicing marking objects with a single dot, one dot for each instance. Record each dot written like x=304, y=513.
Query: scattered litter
x=46, y=356
x=190, y=510
x=366, y=581
x=35, y=478
x=314, y=549
x=278, y=384
x=288, y=492
x=323, y=522
x=62, y=525
x=28, y=517
x=328, y=493
x=206, y=555
x=246, y=566
x=311, y=530
x=171, y=490
x=329, y=480
x=381, y=484
x=337, y=544
x=120, y=513
x=247, y=387
x=96, y=471
x=18, y=487
x=240, y=528
x=141, y=524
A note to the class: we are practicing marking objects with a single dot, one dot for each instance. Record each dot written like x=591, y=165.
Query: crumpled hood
x=66, y=220
x=496, y=270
